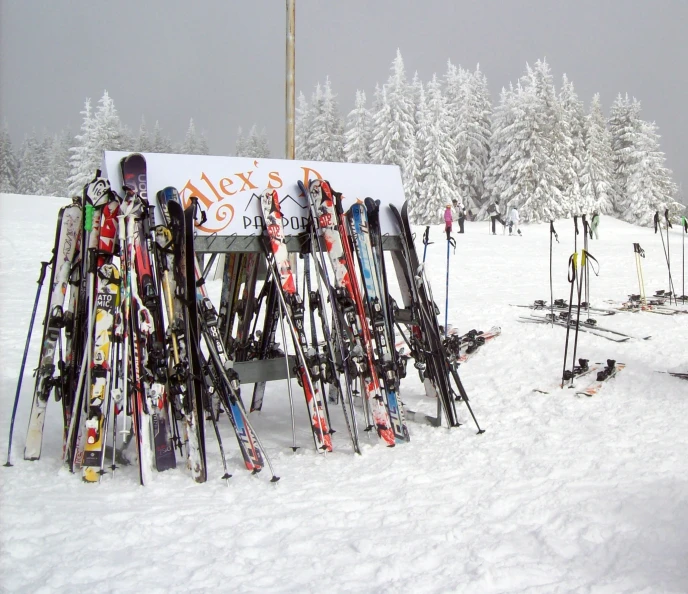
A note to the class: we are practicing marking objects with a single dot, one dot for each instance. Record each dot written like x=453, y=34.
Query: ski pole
x=450, y=242
x=683, y=258
x=572, y=279
x=640, y=253
x=294, y=447
x=41, y=278
x=552, y=232
x=669, y=226
x=658, y=226
x=464, y=396
x=426, y=241
x=585, y=263
x=586, y=272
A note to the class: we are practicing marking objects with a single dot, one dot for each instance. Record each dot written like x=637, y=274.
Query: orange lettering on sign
x=274, y=176
x=225, y=183
x=307, y=175
x=204, y=177
x=194, y=191
x=246, y=178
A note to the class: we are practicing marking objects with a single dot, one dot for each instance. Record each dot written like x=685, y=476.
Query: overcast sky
x=222, y=61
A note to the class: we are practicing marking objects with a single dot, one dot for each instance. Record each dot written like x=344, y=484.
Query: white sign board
x=228, y=188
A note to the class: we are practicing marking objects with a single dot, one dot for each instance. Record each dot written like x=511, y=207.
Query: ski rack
x=276, y=369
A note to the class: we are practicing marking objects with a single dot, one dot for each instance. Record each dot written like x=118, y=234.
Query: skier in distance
x=595, y=223
x=461, y=214
x=448, y=219
x=513, y=221
x=493, y=211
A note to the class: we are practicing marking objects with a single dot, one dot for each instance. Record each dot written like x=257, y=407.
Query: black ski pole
x=581, y=281
x=669, y=226
x=572, y=280
x=586, y=272
x=640, y=253
x=451, y=242
x=426, y=241
x=41, y=278
x=584, y=264
x=464, y=396
x=683, y=259
x=658, y=226
x=552, y=232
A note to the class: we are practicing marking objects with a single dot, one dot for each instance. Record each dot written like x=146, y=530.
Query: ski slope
x=560, y=494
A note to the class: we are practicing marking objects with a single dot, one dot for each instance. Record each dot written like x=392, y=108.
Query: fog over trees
x=538, y=147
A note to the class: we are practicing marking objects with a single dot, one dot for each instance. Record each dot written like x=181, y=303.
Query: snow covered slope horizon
x=560, y=494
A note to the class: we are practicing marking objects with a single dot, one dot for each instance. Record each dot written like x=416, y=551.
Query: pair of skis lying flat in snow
x=601, y=372
x=656, y=304
x=590, y=326
x=561, y=305
x=677, y=374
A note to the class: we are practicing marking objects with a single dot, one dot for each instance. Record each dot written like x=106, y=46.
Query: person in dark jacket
x=461, y=214
x=493, y=211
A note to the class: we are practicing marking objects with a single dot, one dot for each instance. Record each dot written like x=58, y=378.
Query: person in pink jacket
x=448, y=220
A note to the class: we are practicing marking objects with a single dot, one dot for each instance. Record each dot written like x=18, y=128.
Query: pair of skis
x=462, y=348
x=601, y=374
x=657, y=306
x=589, y=326
x=561, y=305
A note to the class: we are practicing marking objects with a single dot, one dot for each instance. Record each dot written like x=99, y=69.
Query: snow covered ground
x=560, y=494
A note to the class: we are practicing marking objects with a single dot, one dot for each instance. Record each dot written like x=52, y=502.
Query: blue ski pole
x=41, y=278
x=450, y=242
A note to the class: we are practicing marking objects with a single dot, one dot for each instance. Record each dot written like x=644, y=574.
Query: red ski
x=294, y=314
x=332, y=223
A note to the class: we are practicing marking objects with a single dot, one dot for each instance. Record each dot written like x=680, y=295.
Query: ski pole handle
x=44, y=267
